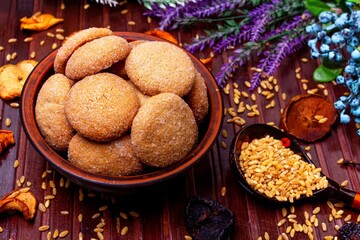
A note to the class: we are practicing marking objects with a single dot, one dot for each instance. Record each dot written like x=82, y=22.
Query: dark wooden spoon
x=333, y=192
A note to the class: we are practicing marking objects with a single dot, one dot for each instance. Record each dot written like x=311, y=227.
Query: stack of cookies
x=119, y=108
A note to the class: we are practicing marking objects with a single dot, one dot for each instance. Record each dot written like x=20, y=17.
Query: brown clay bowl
x=209, y=131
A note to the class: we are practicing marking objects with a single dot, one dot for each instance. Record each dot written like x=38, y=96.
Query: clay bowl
x=208, y=132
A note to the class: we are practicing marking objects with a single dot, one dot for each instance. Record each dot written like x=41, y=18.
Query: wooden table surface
x=161, y=214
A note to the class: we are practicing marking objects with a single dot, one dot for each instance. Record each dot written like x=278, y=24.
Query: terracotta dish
x=208, y=132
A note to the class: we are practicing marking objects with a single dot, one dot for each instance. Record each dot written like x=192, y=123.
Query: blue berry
x=349, y=82
x=340, y=22
x=337, y=38
x=338, y=57
x=355, y=54
x=349, y=48
x=355, y=87
x=321, y=35
x=325, y=17
x=357, y=120
x=332, y=55
x=326, y=40
x=343, y=98
x=355, y=111
x=344, y=118
x=315, y=54
x=346, y=32
x=340, y=79
x=339, y=105
x=313, y=28
x=344, y=16
x=349, y=69
x=309, y=29
x=324, y=48
x=354, y=41
x=312, y=43
x=358, y=132
x=355, y=102
x=316, y=27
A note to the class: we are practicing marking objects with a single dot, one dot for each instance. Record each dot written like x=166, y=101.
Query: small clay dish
x=208, y=132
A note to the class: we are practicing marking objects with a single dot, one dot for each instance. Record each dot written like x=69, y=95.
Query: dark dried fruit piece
x=349, y=231
x=208, y=220
x=308, y=117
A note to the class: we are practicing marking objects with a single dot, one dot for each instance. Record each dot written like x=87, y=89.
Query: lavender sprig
x=214, y=8
x=233, y=39
x=273, y=58
x=214, y=36
x=262, y=15
x=239, y=58
x=196, y=11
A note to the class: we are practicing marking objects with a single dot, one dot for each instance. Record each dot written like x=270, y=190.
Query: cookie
x=74, y=42
x=95, y=56
x=157, y=67
x=49, y=112
x=164, y=130
x=197, y=98
x=115, y=158
x=101, y=107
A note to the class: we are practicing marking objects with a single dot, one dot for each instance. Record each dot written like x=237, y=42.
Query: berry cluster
x=336, y=33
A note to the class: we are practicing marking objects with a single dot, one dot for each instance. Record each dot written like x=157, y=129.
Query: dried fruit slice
x=6, y=139
x=27, y=197
x=39, y=22
x=162, y=34
x=308, y=117
x=208, y=219
x=11, y=205
x=13, y=77
x=22, y=200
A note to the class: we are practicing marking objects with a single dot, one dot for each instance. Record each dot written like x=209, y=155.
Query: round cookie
x=156, y=67
x=164, y=130
x=95, y=56
x=118, y=68
x=49, y=112
x=197, y=98
x=75, y=41
x=142, y=97
x=115, y=158
x=101, y=107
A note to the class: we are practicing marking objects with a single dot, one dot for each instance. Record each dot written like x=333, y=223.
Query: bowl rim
x=102, y=182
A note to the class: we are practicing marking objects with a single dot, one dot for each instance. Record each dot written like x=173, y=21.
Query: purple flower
x=273, y=58
x=262, y=15
x=239, y=58
x=234, y=39
x=209, y=8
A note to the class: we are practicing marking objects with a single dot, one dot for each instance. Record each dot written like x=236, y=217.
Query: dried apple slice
x=22, y=200
x=162, y=34
x=12, y=205
x=6, y=139
x=308, y=117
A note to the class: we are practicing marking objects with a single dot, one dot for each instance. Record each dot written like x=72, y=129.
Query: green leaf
x=316, y=6
x=354, y=1
x=324, y=74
